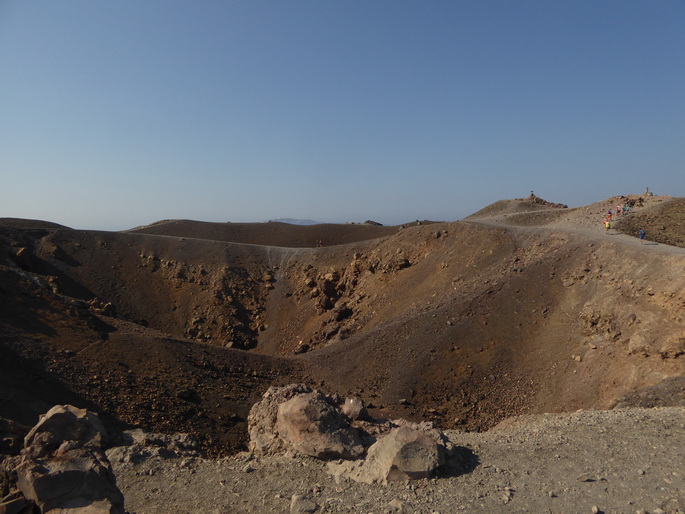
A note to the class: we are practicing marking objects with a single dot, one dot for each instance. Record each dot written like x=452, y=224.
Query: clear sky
x=120, y=113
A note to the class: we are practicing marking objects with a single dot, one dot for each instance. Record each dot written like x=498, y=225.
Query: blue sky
x=117, y=114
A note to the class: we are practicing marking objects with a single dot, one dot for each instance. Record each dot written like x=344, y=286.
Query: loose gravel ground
x=625, y=460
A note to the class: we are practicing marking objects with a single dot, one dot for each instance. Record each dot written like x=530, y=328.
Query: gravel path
x=625, y=460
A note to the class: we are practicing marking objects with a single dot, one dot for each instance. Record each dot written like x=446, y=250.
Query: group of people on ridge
x=621, y=210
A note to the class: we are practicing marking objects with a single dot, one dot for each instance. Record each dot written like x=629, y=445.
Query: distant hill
x=532, y=203
x=30, y=224
x=293, y=221
x=269, y=234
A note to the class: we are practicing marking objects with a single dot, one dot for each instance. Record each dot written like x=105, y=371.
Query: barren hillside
x=180, y=326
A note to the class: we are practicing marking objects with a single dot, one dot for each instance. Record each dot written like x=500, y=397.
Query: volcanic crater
x=180, y=326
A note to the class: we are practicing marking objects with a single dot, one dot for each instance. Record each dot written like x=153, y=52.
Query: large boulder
x=310, y=425
x=75, y=478
x=65, y=423
x=261, y=421
x=63, y=466
x=403, y=454
x=297, y=418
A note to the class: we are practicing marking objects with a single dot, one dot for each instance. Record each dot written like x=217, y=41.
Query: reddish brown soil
x=180, y=326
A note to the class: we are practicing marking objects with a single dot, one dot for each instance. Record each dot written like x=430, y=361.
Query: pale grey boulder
x=406, y=454
x=65, y=423
x=63, y=466
x=310, y=425
x=403, y=454
x=297, y=418
x=261, y=421
x=76, y=478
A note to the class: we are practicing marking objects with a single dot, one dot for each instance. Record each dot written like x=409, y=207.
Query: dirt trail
x=585, y=221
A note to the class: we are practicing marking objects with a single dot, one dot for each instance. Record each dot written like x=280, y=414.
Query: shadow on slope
x=56, y=350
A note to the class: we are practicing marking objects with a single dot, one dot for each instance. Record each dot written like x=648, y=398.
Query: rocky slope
x=624, y=460
x=525, y=307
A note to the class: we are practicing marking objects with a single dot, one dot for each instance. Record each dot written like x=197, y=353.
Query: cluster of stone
x=296, y=418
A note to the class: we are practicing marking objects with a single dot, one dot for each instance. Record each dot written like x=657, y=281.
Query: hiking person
x=642, y=236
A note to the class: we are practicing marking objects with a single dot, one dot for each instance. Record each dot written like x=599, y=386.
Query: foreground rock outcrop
x=63, y=467
x=137, y=446
x=623, y=460
x=404, y=454
x=311, y=425
x=297, y=418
